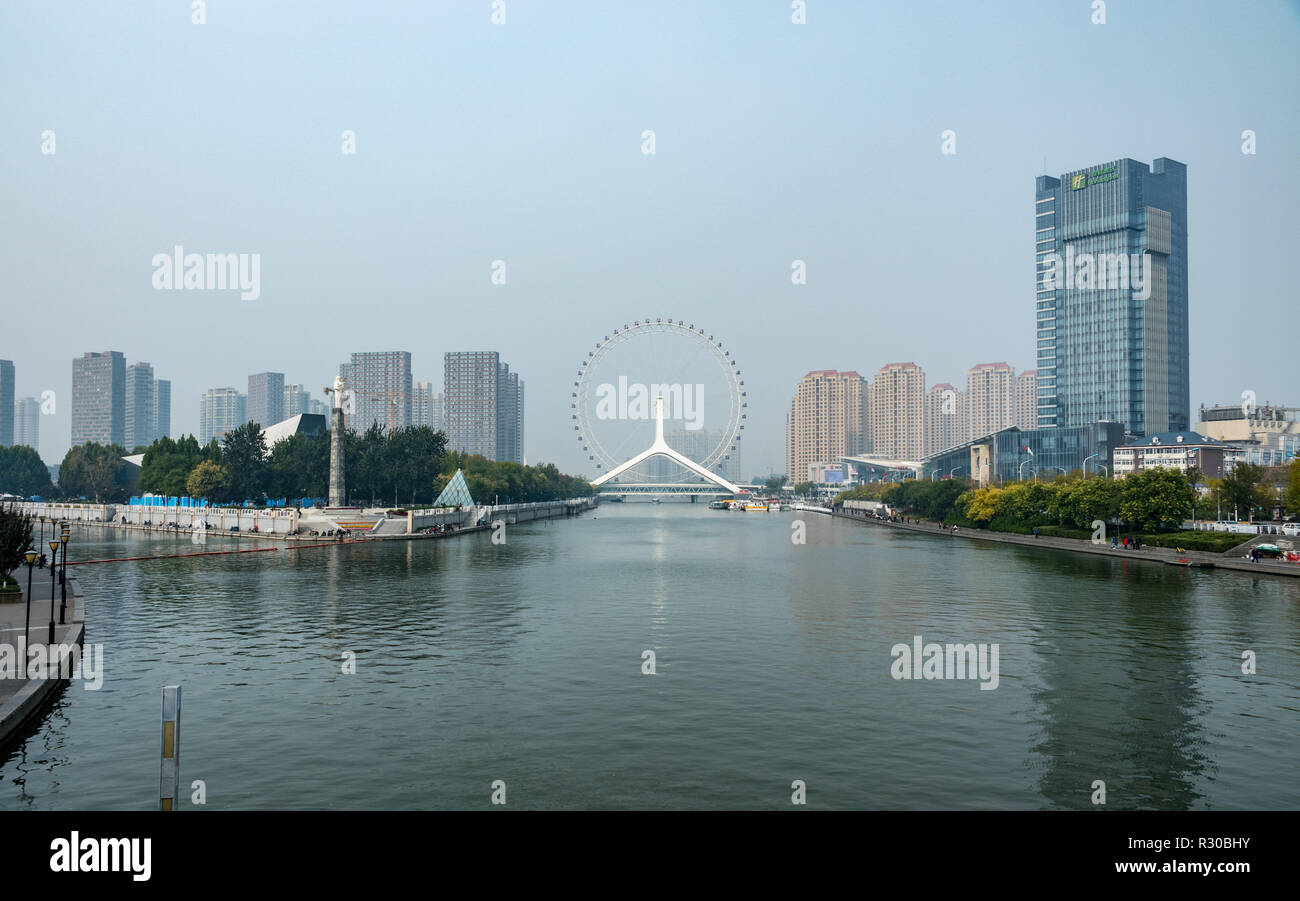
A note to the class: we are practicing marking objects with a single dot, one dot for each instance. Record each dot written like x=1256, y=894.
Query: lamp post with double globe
x=54, y=552
x=31, y=556
x=64, y=532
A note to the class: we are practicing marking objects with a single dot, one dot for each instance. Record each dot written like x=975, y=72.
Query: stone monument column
x=338, y=493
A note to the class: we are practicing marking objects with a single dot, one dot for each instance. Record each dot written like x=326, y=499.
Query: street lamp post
x=1084, y=467
x=54, y=551
x=953, y=471
x=42, y=519
x=1022, y=468
x=64, y=532
x=31, y=556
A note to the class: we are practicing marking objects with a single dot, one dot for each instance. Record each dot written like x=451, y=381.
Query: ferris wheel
x=613, y=397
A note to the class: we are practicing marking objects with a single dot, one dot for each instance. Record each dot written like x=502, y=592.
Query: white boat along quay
x=413, y=675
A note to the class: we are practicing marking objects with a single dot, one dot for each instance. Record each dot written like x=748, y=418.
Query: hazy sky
x=522, y=142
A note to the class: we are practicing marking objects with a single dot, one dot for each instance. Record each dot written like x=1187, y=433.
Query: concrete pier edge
x=1148, y=554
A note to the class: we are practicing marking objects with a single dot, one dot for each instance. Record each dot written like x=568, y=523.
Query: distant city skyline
x=765, y=157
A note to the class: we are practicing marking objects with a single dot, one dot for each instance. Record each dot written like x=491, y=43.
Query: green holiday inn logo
x=1096, y=177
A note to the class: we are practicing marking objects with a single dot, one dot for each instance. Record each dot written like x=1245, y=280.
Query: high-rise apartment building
x=945, y=418
x=6, y=403
x=426, y=406
x=1110, y=246
x=483, y=405
x=1026, y=400
x=162, y=408
x=297, y=399
x=827, y=421
x=990, y=399
x=265, y=403
x=27, y=423
x=896, y=403
x=141, y=406
x=99, y=398
x=221, y=410
x=510, y=415
x=379, y=390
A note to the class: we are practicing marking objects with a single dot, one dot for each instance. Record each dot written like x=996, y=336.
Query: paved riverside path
x=12, y=616
x=1148, y=553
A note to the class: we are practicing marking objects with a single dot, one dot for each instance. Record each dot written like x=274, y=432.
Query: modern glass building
x=1008, y=455
x=265, y=399
x=141, y=406
x=221, y=411
x=27, y=423
x=6, y=403
x=162, y=404
x=1110, y=244
x=99, y=398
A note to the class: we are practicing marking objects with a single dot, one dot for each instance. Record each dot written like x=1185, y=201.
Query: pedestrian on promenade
x=1035, y=533
x=1126, y=544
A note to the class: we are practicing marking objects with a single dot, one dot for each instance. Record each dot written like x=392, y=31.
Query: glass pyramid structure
x=456, y=494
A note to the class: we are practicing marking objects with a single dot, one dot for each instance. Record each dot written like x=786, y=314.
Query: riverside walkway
x=22, y=698
x=1233, y=559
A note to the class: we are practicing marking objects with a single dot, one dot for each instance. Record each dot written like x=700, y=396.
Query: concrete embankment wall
x=24, y=699
x=1148, y=554
x=284, y=523
x=271, y=522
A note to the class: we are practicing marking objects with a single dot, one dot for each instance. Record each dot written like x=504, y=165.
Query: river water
x=523, y=662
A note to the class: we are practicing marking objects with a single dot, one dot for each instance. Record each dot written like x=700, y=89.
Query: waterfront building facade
x=378, y=388
x=827, y=420
x=1110, y=246
x=990, y=399
x=896, y=404
x=221, y=410
x=265, y=403
x=99, y=398
x=1012, y=453
x=27, y=423
x=1268, y=435
x=1178, y=450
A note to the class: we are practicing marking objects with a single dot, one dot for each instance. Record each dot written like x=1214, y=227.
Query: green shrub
x=1215, y=542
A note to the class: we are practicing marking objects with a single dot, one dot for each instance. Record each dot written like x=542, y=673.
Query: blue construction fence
x=158, y=501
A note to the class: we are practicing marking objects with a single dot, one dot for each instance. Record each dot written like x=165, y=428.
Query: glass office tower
x=1111, y=309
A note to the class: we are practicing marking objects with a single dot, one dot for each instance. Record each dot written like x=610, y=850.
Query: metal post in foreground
x=170, y=780
x=54, y=552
